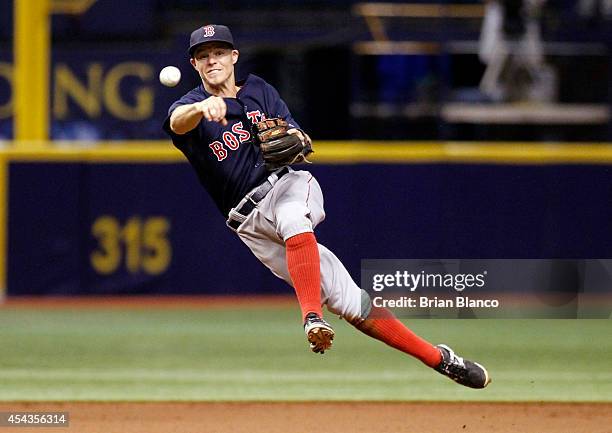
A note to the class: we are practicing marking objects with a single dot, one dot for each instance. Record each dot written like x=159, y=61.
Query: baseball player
x=241, y=139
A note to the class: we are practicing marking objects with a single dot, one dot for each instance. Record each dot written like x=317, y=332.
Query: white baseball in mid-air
x=170, y=76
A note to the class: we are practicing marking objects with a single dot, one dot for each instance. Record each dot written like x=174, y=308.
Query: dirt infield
x=325, y=417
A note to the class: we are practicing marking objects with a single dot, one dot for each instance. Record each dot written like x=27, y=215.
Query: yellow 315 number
x=141, y=242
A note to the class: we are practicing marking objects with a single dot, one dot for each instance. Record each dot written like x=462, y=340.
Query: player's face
x=215, y=63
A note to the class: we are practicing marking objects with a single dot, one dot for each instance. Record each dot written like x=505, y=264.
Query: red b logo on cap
x=209, y=31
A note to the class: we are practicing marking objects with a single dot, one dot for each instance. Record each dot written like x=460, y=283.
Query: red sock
x=384, y=326
x=305, y=270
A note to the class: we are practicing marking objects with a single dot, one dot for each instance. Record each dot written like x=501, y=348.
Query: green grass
x=261, y=354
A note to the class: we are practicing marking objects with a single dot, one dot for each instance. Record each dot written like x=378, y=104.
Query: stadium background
x=415, y=161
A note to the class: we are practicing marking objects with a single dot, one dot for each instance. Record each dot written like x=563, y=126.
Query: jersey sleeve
x=190, y=137
x=188, y=98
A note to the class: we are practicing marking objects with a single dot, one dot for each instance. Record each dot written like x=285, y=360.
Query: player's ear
x=193, y=62
x=235, y=55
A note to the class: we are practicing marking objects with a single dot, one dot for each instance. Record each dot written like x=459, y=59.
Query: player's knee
x=293, y=220
x=365, y=307
x=354, y=307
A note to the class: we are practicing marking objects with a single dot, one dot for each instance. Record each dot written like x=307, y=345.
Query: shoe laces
x=314, y=318
x=454, y=365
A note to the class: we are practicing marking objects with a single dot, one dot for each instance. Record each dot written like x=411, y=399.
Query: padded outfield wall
x=133, y=219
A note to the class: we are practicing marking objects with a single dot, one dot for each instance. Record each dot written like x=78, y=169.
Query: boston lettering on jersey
x=226, y=159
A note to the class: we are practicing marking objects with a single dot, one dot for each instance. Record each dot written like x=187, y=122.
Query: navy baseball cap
x=210, y=33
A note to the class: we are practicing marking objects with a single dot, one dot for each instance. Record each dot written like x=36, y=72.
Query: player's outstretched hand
x=214, y=109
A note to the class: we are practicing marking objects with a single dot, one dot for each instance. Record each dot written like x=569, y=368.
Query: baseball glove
x=278, y=147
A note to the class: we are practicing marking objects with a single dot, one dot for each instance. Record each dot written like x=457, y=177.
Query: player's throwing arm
x=187, y=117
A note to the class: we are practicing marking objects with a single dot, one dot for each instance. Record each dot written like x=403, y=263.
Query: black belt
x=246, y=205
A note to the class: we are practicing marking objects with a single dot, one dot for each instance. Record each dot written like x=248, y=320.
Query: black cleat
x=319, y=333
x=462, y=371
